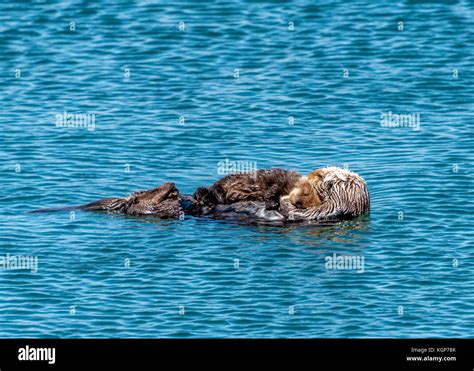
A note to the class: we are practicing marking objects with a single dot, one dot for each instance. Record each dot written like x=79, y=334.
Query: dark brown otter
x=262, y=185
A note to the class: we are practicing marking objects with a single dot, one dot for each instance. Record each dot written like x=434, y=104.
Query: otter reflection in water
x=275, y=195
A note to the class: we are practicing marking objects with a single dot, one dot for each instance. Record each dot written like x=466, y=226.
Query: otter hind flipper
x=162, y=201
x=53, y=209
x=106, y=204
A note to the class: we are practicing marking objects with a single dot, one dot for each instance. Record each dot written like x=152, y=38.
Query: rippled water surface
x=236, y=81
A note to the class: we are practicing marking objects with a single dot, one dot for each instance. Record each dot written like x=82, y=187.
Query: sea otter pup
x=338, y=194
x=262, y=185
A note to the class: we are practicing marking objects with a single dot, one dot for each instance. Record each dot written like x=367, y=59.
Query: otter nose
x=298, y=204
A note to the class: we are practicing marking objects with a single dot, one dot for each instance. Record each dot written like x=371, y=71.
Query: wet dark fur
x=263, y=185
x=162, y=202
x=340, y=195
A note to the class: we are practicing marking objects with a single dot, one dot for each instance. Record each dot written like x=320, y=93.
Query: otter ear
x=319, y=173
x=316, y=176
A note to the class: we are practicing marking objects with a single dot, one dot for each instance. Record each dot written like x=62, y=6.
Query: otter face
x=303, y=195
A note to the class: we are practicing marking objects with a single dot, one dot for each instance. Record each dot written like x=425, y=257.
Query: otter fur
x=303, y=195
x=162, y=202
x=327, y=194
x=339, y=194
x=266, y=185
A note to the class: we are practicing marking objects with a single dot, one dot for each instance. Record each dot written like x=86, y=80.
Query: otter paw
x=220, y=195
x=272, y=204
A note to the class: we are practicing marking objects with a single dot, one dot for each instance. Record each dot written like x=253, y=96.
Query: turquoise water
x=236, y=81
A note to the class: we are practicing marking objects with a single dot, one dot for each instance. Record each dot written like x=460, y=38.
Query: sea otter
x=266, y=185
x=340, y=194
x=328, y=194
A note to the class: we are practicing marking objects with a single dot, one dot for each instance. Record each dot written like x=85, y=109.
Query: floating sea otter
x=325, y=195
x=273, y=195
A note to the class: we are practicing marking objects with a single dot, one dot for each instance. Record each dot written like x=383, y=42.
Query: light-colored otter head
x=329, y=192
x=342, y=190
x=305, y=194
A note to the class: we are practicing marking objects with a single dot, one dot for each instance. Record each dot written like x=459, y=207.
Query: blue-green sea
x=167, y=91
